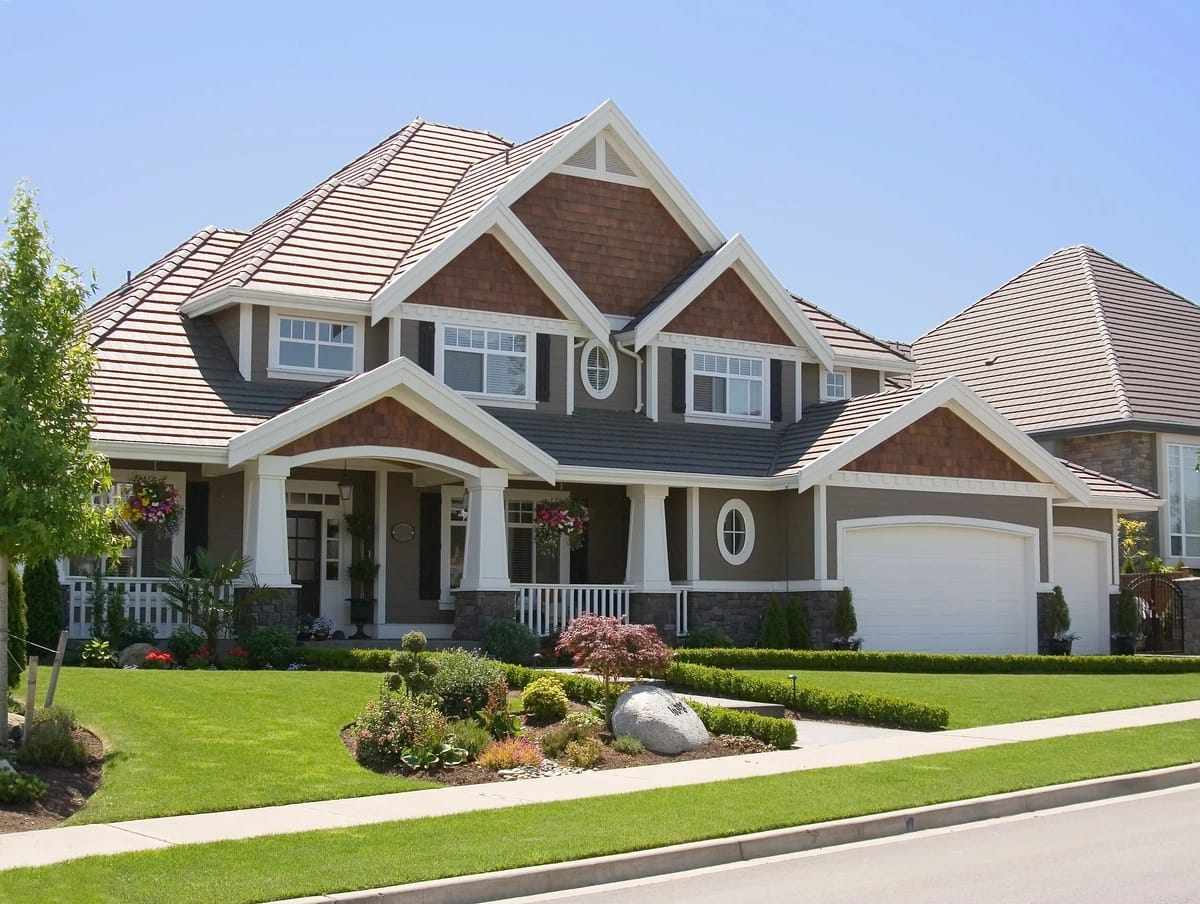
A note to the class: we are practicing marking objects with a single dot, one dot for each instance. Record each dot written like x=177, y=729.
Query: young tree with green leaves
x=48, y=472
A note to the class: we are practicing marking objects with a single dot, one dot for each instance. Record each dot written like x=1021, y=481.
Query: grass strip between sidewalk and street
x=287, y=866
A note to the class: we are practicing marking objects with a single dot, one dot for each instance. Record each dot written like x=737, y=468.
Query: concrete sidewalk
x=826, y=745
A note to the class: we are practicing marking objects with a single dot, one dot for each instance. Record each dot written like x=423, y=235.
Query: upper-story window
x=489, y=362
x=727, y=384
x=306, y=347
x=599, y=370
x=837, y=385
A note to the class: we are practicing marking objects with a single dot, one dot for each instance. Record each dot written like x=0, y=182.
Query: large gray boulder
x=134, y=655
x=659, y=719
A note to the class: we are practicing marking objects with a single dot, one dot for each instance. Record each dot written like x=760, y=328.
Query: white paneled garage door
x=941, y=585
x=1081, y=568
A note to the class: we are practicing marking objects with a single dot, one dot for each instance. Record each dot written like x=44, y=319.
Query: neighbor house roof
x=1078, y=341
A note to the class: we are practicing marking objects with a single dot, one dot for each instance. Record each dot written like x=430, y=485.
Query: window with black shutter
x=542, y=364
x=776, y=390
x=678, y=380
x=426, y=345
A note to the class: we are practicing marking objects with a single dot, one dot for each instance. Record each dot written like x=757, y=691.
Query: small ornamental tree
x=797, y=625
x=845, y=622
x=774, y=634
x=48, y=471
x=613, y=649
x=1058, y=616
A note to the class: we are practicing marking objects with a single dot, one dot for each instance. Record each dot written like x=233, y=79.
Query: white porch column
x=381, y=544
x=646, y=565
x=485, y=560
x=265, y=526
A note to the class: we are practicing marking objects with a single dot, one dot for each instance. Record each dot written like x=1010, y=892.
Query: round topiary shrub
x=545, y=699
x=463, y=682
x=509, y=641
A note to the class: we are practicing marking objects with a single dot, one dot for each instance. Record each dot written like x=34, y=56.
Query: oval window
x=599, y=374
x=735, y=532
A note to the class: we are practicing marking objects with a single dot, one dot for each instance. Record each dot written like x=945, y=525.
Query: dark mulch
x=66, y=792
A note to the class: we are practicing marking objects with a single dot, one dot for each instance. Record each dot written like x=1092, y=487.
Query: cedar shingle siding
x=728, y=309
x=616, y=241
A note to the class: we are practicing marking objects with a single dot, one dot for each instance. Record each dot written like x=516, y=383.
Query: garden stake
x=30, y=690
x=58, y=658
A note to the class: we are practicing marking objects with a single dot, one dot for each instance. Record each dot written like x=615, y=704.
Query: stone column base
x=473, y=609
x=656, y=609
x=282, y=612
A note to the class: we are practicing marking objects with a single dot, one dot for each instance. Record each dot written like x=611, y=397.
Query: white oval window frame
x=742, y=509
x=612, y=370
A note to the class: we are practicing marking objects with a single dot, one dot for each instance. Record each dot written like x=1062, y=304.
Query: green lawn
x=289, y=866
x=991, y=699
x=198, y=741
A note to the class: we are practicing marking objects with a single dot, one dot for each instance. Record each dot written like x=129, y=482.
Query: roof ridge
x=882, y=343
x=283, y=230
x=449, y=125
x=135, y=291
x=1110, y=354
x=985, y=297
x=1137, y=273
x=399, y=140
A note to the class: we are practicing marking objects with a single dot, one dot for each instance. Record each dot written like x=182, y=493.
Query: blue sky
x=891, y=164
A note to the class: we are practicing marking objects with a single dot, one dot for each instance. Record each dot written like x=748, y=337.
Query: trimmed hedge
x=779, y=733
x=344, y=659
x=837, y=660
x=813, y=701
x=579, y=688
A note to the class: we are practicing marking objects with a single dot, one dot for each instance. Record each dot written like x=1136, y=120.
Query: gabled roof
x=164, y=379
x=849, y=343
x=1077, y=341
x=1121, y=494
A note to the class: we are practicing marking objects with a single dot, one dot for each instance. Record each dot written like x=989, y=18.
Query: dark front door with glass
x=304, y=559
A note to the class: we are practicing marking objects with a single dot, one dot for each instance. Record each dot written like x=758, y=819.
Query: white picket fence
x=145, y=602
x=544, y=608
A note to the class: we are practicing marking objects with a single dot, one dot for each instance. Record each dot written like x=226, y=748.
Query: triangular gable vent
x=601, y=157
x=614, y=163
x=584, y=158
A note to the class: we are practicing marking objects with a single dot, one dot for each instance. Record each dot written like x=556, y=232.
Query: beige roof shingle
x=1077, y=340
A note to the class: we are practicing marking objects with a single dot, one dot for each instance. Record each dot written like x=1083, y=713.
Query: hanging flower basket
x=555, y=519
x=152, y=504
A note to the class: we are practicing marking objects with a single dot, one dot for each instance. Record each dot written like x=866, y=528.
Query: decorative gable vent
x=585, y=157
x=614, y=163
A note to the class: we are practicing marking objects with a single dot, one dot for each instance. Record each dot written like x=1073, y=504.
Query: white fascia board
x=426, y=396
x=628, y=476
x=111, y=449
x=1122, y=504
x=882, y=363
x=738, y=253
x=953, y=394
x=663, y=183
x=298, y=299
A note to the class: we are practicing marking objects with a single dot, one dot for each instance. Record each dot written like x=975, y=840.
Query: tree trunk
x=4, y=650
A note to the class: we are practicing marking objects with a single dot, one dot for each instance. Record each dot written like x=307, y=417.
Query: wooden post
x=58, y=658
x=30, y=698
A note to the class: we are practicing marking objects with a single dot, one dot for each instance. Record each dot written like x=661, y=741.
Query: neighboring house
x=453, y=328
x=1100, y=365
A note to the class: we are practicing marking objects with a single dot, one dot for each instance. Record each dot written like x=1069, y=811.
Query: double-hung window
x=1183, y=500
x=727, y=384
x=315, y=345
x=837, y=385
x=489, y=362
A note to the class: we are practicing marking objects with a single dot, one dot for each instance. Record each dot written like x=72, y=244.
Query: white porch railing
x=544, y=608
x=145, y=602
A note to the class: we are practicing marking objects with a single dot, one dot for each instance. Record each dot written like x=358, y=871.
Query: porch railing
x=544, y=608
x=145, y=602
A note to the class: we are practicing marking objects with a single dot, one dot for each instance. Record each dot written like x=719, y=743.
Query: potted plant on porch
x=1124, y=641
x=1058, y=624
x=845, y=622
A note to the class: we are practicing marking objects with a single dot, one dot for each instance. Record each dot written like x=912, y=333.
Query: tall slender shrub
x=797, y=625
x=845, y=622
x=43, y=604
x=774, y=633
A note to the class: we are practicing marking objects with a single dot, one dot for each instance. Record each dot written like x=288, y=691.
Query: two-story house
x=454, y=329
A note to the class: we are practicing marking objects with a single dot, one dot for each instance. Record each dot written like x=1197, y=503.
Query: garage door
x=941, y=587
x=1081, y=568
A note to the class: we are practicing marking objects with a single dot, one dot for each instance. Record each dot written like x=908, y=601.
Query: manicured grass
x=991, y=699
x=319, y=862
x=198, y=741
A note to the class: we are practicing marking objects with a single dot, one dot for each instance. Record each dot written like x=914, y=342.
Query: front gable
x=728, y=309
x=388, y=423
x=618, y=242
x=484, y=277
x=940, y=444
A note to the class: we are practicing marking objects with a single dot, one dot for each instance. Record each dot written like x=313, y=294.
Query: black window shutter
x=542, y=363
x=195, y=518
x=429, y=568
x=426, y=344
x=776, y=389
x=678, y=379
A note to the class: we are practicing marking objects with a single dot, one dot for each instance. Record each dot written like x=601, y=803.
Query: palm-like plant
x=203, y=591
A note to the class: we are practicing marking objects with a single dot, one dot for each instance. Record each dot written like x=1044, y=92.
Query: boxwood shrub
x=870, y=661
x=779, y=733
x=875, y=708
x=579, y=688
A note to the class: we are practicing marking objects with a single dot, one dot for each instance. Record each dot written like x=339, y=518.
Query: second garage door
x=941, y=587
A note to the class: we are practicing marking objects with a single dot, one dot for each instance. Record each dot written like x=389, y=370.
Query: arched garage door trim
x=1089, y=617
x=1021, y=597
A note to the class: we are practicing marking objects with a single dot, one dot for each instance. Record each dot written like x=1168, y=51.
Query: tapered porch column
x=265, y=526
x=646, y=564
x=485, y=560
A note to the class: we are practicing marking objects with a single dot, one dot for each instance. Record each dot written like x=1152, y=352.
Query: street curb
x=558, y=877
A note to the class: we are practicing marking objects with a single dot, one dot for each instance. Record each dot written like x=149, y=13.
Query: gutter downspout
x=637, y=409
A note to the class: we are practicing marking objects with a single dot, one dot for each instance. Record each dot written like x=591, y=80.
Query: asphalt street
x=1139, y=848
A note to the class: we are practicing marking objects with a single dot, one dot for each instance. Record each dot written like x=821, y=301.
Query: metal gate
x=1160, y=603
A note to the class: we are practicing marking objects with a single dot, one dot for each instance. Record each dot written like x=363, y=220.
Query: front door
x=304, y=559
